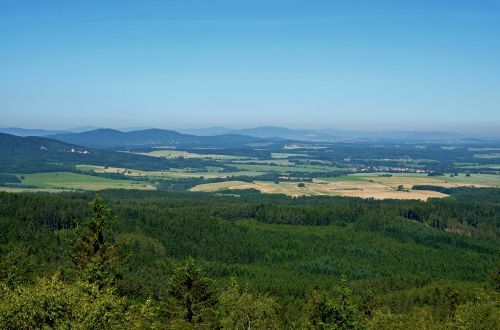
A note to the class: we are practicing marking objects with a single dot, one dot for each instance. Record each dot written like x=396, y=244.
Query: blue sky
x=370, y=65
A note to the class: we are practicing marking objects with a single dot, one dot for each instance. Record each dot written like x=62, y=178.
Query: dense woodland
x=135, y=259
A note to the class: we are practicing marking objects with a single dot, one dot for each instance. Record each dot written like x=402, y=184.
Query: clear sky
x=351, y=64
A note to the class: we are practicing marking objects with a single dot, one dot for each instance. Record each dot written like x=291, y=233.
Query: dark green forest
x=137, y=259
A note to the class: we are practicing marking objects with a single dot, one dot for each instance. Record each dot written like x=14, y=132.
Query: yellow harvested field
x=349, y=189
x=410, y=180
x=186, y=154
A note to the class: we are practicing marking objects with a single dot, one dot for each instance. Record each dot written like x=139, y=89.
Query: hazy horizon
x=484, y=133
x=345, y=65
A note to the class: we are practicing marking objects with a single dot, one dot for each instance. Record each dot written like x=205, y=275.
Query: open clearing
x=73, y=181
x=22, y=190
x=362, y=185
x=281, y=155
x=284, y=169
x=409, y=180
x=487, y=156
x=350, y=189
x=186, y=154
x=210, y=173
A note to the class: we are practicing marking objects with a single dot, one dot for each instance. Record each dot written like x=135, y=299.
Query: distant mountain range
x=328, y=135
x=42, y=132
x=268, y=132
x=225, y=137
x=110, y=138
x=30, y=132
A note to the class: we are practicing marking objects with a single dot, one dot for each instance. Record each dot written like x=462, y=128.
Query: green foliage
x=404, y=272
x=51, y=303
x=193, y=294
x=483, y=312
x=17, y=266
x=244, y=310
x=337, y=313
x=92, y=255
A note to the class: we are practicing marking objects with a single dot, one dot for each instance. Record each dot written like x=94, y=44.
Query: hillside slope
x=36, y=154
x=110, y=138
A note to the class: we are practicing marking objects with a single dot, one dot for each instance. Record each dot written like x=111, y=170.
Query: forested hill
x=260, y=262
x=109, y=138
x=37, y=154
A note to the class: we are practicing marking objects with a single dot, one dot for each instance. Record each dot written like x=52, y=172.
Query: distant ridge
x=211, y=136
x=111, y=138
x=30, y=132
x=326, y=135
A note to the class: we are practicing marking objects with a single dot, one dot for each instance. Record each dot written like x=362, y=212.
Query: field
x=409, y=180
x=61, y=181
x=31, y=190
x=282, y=155
x=487, y=156
x=284, y=169
x=323, y=188
x=186, y=154
x=360, y=169
x=363, y=185
x=210, y=173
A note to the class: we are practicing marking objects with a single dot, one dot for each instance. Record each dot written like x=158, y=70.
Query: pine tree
x=93, y=257
x=193, y=293
x=339, y=313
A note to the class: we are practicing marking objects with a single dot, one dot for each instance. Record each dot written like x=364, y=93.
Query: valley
x=140, y=160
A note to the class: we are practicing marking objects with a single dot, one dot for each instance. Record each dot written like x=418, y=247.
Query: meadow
x=60, y=181
x=378, y=186
x=169, y=153
x=207, y=172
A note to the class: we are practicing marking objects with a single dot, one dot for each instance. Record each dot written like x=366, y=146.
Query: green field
x=277, y=162
x=477, y=166
x=186, y=154
x=74, y=181
x=281, y=155
x=487, y=156
x=210, y=172
x=486, y=179
x=285, y=169
x=473, y=179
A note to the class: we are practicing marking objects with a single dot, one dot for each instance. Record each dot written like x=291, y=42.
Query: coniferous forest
x=139, y=260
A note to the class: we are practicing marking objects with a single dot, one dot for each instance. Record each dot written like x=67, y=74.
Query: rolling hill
x=110, y=138
x=37, y=154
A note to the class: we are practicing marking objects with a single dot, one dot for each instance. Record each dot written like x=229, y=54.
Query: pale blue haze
x=350, y=64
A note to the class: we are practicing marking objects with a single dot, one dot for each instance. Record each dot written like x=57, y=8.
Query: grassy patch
x=283, y=169
x=74, y=181
x=487, y=156
x=211, y=172
x=186, y=154
x=281, y=155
